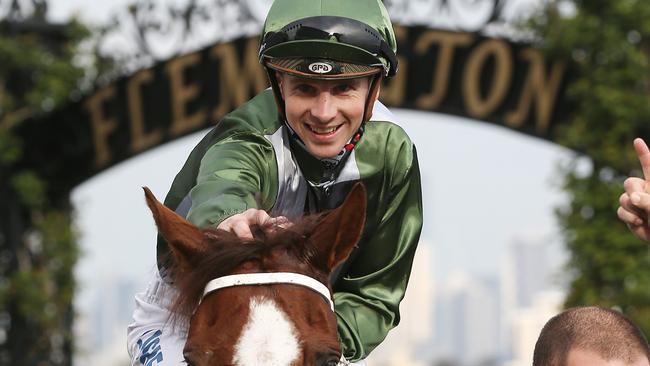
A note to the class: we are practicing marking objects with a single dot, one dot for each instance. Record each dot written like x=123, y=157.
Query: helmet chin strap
x=373, y=93
x=277, y=94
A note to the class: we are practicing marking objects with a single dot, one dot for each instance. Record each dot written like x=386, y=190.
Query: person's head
x=591, y=336
x=325, y=60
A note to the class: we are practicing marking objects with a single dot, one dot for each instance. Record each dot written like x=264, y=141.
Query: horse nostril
x=195, y=356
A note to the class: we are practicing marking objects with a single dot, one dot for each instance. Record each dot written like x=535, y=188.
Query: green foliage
x=37, y=74
x=9, y=148
x=38, y=244
x=44, y=288
x=608, y=266
x=29, y=188
x=609, y=44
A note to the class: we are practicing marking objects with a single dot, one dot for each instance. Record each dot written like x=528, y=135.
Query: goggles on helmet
x=333, y=29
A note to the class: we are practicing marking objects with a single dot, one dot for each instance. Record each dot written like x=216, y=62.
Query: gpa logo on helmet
x=320, y=67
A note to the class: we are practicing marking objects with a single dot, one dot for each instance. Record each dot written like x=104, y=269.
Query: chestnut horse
x=266, y=301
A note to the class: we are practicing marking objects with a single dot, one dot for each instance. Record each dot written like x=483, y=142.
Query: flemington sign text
x=465, y=74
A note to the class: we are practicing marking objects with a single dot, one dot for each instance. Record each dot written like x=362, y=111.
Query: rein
x=248, y=279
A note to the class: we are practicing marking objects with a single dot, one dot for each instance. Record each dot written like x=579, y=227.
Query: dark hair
x=606, y=332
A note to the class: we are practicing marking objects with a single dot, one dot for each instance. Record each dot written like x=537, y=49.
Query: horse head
x=271, y=322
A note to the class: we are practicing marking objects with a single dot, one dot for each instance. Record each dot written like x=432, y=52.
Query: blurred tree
x=156, y=30
x=39, y=71
x=42, y=67
x=609, y=44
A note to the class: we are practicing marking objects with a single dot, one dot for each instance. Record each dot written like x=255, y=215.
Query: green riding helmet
x=329, y=39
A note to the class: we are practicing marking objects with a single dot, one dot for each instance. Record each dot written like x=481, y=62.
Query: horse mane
x=230, y=251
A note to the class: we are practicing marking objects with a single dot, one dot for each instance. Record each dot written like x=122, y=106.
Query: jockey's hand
x=634, y=207
x=240, y=224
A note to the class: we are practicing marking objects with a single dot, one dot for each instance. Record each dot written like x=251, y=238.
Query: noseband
x=248, y=279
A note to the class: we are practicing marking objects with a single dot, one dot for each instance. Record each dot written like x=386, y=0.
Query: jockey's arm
x=233, y=176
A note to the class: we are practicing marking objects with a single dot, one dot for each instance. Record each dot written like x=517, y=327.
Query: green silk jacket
x=248, y=161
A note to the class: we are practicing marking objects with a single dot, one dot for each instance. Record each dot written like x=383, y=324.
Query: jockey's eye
x=306, y=89
x=343, y=88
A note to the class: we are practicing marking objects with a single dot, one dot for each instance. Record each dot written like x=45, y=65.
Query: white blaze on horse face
x=268, y=338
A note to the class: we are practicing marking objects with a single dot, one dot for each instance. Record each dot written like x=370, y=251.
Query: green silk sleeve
x=367, y=305
x=235, y=174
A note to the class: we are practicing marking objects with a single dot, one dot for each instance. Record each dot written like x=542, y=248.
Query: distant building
x=408, y=343
x=467, y=320
x=527, y=322
x=529, y=269
x=101, y=324
x=531, y=292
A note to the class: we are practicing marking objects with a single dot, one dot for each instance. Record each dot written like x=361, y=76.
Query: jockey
x=298, y=148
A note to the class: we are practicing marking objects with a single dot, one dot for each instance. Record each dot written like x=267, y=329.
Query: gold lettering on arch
x=182, y=93
x=102, y=127
x=477, y=105
x=235, y=80
x=394, y=92
x=537, y=88
x=140, y=139
x=448, y=42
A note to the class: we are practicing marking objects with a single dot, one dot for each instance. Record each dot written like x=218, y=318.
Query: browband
x=248, y=279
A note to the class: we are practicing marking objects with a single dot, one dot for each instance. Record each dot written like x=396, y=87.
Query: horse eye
x=331, y=362
x=327, y=358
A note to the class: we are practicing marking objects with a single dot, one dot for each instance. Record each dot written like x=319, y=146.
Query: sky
x=484, y=188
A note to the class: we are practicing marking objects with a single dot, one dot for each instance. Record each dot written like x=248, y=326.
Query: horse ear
x=185, y=239
x=340, y=230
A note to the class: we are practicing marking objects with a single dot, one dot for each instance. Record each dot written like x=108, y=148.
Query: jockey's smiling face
x=324, y=113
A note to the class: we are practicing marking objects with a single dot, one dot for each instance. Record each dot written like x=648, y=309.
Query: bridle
x=253, y=279
x=248, y=279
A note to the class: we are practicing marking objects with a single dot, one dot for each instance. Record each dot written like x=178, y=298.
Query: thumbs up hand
x=634, y=207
